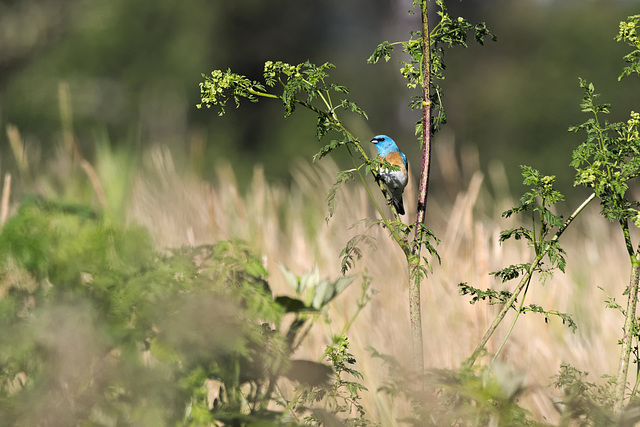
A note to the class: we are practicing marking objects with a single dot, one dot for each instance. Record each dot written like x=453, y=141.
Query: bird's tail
x=397, y=203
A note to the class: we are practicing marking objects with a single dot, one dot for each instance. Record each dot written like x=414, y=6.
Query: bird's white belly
x=394, y=179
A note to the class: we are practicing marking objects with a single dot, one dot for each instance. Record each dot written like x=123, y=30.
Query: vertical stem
x=426, y=117
x=627, y=338
x=415, y=318
x=414, y=260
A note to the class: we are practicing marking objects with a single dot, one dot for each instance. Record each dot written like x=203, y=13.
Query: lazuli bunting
x=395, y=180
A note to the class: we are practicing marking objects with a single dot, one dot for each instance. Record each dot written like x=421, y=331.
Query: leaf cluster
x=567, y=320
x=315, y=293
x=542, y=236
x=424, y=238
x=304, y=84
x=310, y=80
x=342, y=398
x=492, y=296
x=352, y=252
x=584, y=400
x=628, y=33
x=221, y=86
x=449, y=32
x=536, y=203
x=609, y=157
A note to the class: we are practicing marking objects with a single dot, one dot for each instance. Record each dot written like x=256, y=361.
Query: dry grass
x=286, y=226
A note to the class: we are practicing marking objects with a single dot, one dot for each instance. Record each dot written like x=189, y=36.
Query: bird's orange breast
x=395, y=159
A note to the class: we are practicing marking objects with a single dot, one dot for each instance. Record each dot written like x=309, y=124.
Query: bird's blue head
x=384, y=144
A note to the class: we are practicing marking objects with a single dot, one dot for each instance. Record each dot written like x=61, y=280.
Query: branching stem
x=523, y=284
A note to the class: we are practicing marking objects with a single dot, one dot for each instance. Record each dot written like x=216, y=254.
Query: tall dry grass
x=286, y=226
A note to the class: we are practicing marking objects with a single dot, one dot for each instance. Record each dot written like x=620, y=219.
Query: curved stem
x=337, y=124
x=263, y=94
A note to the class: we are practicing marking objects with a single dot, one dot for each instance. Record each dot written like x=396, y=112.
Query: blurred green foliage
x=99, y=328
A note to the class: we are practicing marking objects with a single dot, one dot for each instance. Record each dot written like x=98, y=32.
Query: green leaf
x=341, y=178
x=292, y=280
x=352, y=252
x=493, y=297
x=313, y=292
x=326, y=291
x=511, y=272
x=383, y=50
x=293, y=305
x=308, y=373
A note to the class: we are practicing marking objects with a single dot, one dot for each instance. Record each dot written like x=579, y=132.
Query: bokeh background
x=130, y=70
x=119, y=81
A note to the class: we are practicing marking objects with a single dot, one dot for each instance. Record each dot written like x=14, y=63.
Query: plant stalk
x=505, y=309
x=513, y=324
x=415, y=315
x=426, y=118
x=627, y=338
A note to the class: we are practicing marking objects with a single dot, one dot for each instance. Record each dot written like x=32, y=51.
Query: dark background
x=132, y=69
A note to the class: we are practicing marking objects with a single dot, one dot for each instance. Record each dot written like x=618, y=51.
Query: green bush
x=100, y=328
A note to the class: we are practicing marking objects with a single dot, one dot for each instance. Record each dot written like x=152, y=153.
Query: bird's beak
x=375, y=141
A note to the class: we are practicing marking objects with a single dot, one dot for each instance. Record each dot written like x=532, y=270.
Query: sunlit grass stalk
x=19, y=152
x=6, y=193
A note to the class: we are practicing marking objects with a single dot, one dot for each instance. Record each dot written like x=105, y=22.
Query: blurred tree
x=133, y=67
x=516, y=99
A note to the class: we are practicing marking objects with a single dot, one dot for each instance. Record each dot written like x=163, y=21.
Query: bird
x=394, y=180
